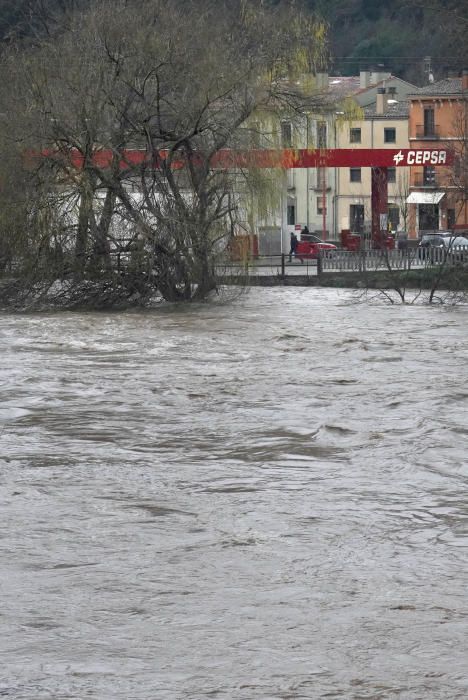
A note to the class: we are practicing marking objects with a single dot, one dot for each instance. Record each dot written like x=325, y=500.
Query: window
x=291, y=214
x=320, y=205
x=429, y=176
x=451, y=218
x=429, y=123
x=355, y=135
x=389, y=135
x=393, y=217
x=356, y=217
x=391, y=175
x=286, y=134
x=355, y=174
x=321, y=134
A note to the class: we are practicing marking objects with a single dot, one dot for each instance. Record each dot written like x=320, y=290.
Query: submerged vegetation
x=112, y=115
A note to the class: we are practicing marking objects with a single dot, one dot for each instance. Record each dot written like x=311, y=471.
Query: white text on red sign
x=422, y=157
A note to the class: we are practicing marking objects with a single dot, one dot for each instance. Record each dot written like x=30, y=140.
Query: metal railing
x=449, y=255
x=427, y=131
x=373, y=260
x=279, y=265
x=362, y=260
x=426, y=180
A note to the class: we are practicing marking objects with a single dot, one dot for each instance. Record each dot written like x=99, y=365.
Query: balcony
x=426, y=180
x=430, y=132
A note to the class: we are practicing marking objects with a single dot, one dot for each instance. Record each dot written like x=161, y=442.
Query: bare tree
x=401, y=196
x=458, y=174
x=130, y=106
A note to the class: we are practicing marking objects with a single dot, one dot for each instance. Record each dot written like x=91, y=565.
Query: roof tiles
x=447, y=86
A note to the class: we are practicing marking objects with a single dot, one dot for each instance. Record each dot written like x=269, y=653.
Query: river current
x=265, y=499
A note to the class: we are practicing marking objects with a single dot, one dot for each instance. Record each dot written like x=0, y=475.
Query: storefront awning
x=425, y=197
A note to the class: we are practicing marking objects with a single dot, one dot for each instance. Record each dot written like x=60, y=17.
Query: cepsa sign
x=269, y=158
x=420, y=157
x=347, y=157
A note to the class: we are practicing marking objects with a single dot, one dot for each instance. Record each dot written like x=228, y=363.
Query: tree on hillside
x=397, y=33
x=445, y=24
x=175, y=78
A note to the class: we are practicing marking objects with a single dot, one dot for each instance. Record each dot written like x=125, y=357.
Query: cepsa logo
x=420, y=158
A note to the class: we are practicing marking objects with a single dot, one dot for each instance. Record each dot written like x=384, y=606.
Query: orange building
x=438, y=119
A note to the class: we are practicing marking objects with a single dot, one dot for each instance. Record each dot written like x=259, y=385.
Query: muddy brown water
x=266, y=499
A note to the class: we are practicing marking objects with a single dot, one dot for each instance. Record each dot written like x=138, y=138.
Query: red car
x=309, y=249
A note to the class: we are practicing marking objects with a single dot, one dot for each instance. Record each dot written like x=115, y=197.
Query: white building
x=328, y=200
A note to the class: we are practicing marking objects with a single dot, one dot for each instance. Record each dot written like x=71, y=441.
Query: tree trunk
x=101, y=248
x=81, y=242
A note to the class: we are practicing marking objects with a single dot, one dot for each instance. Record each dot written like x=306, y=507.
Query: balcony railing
x=427, y=132
x=421, y=180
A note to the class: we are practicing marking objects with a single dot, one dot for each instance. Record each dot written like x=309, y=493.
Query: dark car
x=428, y=242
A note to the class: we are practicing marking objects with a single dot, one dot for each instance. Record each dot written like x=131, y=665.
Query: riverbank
x=453, y=279
x=101, y=295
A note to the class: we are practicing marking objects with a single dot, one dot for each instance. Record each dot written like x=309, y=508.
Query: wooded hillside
x=398, y=34
x=363, y=33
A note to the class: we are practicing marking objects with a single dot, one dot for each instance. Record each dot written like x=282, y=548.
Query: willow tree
x=129, y=103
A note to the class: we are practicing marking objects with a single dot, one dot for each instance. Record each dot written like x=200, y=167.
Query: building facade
x=438, y=119
x=385, y=125
x=329, y=200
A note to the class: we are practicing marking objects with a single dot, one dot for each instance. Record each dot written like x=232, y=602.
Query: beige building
x=328, y=200
x=385, y=125
x=308, y=196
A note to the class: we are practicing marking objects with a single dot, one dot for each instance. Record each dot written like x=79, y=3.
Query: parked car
x=310, y=248
x=455, y=246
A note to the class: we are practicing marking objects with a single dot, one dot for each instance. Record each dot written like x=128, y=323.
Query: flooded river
x=259, y=500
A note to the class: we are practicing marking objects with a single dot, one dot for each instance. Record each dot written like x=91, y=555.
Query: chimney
x=364, y=78
x=465, y=80
x=381, y=103
x=378, y=74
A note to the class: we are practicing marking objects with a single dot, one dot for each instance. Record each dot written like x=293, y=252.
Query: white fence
x=359, y=261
